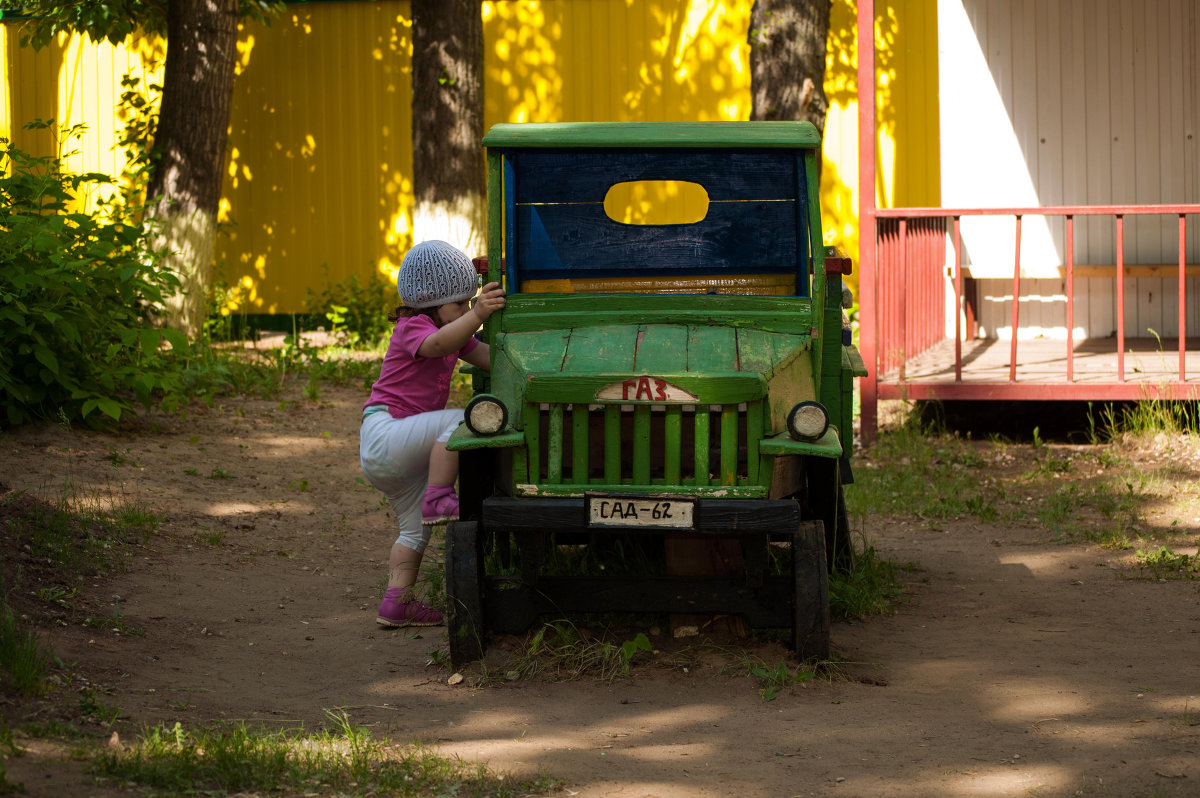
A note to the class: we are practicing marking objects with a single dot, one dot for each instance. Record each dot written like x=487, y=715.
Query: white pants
x=394, y=453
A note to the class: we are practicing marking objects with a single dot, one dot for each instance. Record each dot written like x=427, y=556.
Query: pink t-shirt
x=409, y=383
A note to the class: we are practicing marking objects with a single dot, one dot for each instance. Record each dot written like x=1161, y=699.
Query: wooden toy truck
x=663, y=382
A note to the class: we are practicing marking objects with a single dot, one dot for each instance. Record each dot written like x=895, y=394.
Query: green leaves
x=78, y=293
x=111, y=20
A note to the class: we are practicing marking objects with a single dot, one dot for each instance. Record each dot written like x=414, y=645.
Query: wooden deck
x=1151, y=371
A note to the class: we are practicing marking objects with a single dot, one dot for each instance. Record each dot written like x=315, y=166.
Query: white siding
x=1083, y=102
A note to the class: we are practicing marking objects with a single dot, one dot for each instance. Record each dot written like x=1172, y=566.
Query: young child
x=406, y=424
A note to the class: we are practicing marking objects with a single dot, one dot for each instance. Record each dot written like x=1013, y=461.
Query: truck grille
x=658, y=447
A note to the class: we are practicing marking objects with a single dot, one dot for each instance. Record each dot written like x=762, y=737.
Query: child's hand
x=490, y=299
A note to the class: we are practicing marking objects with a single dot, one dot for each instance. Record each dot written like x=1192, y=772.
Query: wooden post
x=867, y=303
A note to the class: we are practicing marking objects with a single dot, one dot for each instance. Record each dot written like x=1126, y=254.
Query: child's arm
x=479, y=356
x=454, y=335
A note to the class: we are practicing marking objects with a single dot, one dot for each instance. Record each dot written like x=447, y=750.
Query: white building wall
x=1072, y=102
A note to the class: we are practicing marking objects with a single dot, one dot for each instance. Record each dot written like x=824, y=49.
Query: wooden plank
x=765, y=352
x=1149, y=363
x=997, y=48
x=1144, y=234
x=537, y=351
x=533, y=440
x=1018, y=392
x=1122, y=74
x=510, y=224
x=1191, y=157
x=1050, y=90
x=712, y=349
x=641, y=445
x=738, y=238
x=700, y=451
x=612, y=444
x=729, y=445
x=1023, y=111
x=673, y=444
x=555, y=176
x=755, y=428
x=1074, y=144
x=580, y=444
x=550, y=316
x=1026, y=72
x=709, y=387
x=1171, y=114
x=639, y=135
x=1097, y=234
x=602, y=348
x=554, y=445
x=1109, y=270
x=659, y=347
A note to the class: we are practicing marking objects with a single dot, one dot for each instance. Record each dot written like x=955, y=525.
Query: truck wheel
x=464, y=592
x=810, y=633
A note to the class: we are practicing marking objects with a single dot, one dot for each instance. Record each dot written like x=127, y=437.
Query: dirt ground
x=1015, y=666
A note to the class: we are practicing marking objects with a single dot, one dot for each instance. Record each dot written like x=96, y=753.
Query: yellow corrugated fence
x=318, y=181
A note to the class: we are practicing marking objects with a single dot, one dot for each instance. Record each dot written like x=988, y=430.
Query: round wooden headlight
x=486, y=415
x=807, y=421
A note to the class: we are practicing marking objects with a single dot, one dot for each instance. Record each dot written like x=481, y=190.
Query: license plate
x=619, y=511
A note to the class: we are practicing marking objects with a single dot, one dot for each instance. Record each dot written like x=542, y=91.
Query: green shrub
x=78, y=293
x=355, y=307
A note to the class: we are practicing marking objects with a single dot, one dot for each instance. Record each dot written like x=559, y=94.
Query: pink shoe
x=440, y=505
x=397, y=612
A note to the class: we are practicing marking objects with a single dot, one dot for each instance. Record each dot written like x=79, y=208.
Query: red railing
x=907, y=303
x=911, y=308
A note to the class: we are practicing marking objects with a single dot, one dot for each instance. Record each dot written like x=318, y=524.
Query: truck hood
x=659, y=349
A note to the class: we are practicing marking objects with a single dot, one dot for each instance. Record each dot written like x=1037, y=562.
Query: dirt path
x=1017, y=667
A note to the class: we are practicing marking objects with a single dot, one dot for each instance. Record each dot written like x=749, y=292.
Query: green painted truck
x=655, y=384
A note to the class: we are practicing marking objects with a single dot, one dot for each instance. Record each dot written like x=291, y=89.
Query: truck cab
x=670, y=362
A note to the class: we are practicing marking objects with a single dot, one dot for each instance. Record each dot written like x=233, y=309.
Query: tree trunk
x=787, y=60
x=190, y=141
x=447, y=120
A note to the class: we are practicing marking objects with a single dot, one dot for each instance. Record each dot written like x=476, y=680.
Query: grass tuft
x=24, y=663
x=1163, y=564
x=918, y=469
x=871, y=586
x=343, y=759
x=561, y=650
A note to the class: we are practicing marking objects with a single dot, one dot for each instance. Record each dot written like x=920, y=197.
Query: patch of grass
x=120, y=457
x=84, y=532
x=24, y=663
x=211, y=538
x=343, y=759
x=918, y=469
x=1087, y=510
x=8, y=749
x=1163, y=564
x=775, y=678
x=1152, y=416
x=312, y=388
x=1047, y=463
x=56, y=594
x=562, y=651
x=871, y=586
x=93, y=708
x=114, y=623
x=52, y=729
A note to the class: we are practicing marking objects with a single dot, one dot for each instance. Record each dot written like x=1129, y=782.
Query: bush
x=356, y=308
x=78, y=293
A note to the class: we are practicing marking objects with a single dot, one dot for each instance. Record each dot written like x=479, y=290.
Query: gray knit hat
x=434, y=273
